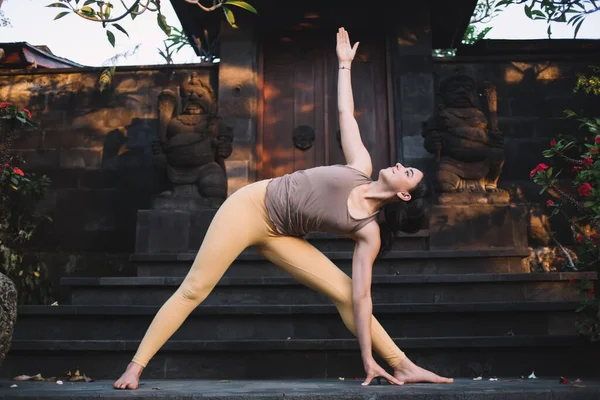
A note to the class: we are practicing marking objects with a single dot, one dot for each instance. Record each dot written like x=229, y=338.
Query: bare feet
x=130, y=378
x=408, y=372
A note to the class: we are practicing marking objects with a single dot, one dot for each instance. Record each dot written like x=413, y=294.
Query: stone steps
x=264, y=322
x=334, y=242
x=298, y=359
x=411, y=288
x=252, y=264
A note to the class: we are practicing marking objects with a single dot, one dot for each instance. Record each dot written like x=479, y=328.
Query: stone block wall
x=532, y=93
x=96, y=149
x=531, y=100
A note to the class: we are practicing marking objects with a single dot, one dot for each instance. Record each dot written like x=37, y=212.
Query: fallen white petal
x=478, y=378
x=493, y=379
x=59, y=382
x=14, y=386
x=532, y=376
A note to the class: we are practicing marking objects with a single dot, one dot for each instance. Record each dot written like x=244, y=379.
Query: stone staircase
x=461, y=312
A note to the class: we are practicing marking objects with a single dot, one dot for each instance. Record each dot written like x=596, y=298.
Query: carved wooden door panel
x=298, y=113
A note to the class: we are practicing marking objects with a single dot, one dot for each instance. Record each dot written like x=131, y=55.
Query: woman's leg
x=310, y=267
x=237, y=225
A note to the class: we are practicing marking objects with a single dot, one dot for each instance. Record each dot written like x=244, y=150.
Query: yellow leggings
x=243, y=221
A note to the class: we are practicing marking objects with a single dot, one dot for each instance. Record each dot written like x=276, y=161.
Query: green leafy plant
x=571, y=12
x=575, y=162
x=19, y=196
x=105, y=12
x=588, y=323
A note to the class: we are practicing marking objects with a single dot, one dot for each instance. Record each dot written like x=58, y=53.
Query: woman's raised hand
x=345, y=52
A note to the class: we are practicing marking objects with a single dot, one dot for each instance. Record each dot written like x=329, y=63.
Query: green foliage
x=589, y=84
x=19, y=196
x=472, y=35
x=588, y=321
x=577, y=157
x=571, y=12
x=103, y=11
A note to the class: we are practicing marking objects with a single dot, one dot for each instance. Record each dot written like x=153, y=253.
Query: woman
x=273, y=215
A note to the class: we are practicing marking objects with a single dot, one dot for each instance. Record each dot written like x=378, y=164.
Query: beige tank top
x=315, y=200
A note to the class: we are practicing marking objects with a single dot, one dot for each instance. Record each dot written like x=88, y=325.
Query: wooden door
x=299, y=99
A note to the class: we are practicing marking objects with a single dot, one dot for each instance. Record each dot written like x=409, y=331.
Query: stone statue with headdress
x=467, y=144
x=191, y=147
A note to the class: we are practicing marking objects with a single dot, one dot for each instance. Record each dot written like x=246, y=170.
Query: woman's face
x=401, y=179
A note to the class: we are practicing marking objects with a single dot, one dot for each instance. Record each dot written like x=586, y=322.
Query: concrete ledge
x=347, y=255
x=378, y=279
x=301, y=345
x=273, y=309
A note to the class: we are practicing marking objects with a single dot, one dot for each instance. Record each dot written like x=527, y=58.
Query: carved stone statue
x=191, y=147
x=468, y=150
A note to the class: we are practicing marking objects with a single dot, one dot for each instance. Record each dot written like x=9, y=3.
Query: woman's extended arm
x=365, y=252
x=354, y=150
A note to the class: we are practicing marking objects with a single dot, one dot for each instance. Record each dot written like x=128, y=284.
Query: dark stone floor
x=462, y=389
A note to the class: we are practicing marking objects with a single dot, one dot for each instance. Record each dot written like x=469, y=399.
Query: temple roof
x=17, y=55
x=448, y=19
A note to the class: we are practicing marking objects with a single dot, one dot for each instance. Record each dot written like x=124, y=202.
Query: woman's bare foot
x=130, y=378
x=408, y=372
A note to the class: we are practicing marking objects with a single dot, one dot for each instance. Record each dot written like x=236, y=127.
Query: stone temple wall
x=96, y=148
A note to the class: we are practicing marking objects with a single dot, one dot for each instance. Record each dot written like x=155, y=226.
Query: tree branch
x=570, y=200
x=565, y=252
x=568, y=159
x=145, y=8
x=216, y=4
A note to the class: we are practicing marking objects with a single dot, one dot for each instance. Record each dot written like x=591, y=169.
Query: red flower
x=552, y=143
x=588, y=161
x=579, y=238
x=18, y=171
x=540, y=168
x=572, y=282
x=585, y=189
x=26, y=111
x=594, y=150
x=597, y=140
x=549, y=203
x=576, y=168
x=6, y=165
x=594, y=237
x=590, y=293
x=4, y=104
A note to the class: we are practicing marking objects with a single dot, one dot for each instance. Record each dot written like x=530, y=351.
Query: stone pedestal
x=464, y=198
x=171, y=231
x=477, y=226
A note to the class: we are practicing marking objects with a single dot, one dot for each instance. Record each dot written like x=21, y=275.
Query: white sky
x=85, y=42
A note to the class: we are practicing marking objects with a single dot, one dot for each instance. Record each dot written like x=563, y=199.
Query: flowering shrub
x=19, y=196
x=575, y=162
